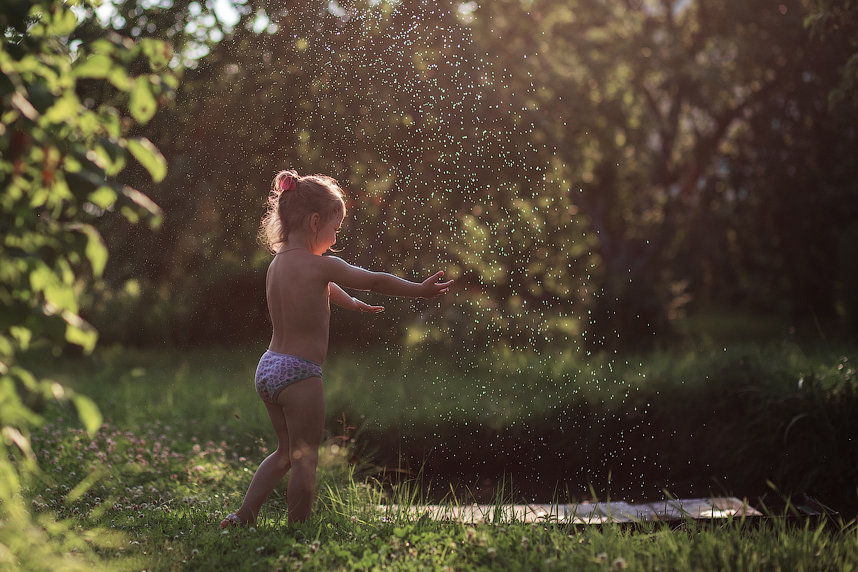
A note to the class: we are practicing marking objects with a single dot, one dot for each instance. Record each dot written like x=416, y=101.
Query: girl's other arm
x=384, y=283
x=342, y=299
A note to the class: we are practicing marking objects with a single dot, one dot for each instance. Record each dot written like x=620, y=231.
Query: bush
x=59, y=155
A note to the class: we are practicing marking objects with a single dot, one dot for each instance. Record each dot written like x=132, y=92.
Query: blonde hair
x=292, y=199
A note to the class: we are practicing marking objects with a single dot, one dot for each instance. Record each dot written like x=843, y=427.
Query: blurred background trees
x=590, y=172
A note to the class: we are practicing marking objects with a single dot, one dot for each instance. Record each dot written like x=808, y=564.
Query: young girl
x=303, y=218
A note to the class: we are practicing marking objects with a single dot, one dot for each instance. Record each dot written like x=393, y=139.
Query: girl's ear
x=314, y=220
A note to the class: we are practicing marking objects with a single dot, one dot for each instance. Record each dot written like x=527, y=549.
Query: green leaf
x=102, y=46
x=158, y=52
x=59, y=295
x=9, y=482
x=6, y=346
x=13, y=412
x=149, y=156
x=22, y=335
x=64, y=21
x=65, y=108
x=108, y=156
x=96, y=66
x=400, y=532
x=130, y=215
x=88, y=412
x=79, y=332
x=103, y=197
x=120, y=79
x=143, y=202
x=96, y=250
x=142, y=103
x=86, y=484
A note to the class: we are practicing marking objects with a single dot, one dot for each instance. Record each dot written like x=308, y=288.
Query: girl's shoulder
x=304, y=267
x=330, y=259
x=323, y=265
x=329, y=263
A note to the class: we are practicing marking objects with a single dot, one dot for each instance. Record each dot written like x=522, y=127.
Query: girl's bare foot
x=232, y=520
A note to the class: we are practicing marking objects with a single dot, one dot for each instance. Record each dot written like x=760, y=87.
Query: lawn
x=184, y=432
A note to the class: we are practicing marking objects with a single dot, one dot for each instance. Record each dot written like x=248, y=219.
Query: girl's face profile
x=328, y=230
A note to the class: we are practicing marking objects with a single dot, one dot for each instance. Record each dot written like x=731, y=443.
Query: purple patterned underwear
x=276, y=371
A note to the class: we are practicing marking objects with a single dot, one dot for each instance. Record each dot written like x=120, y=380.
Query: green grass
x=414, y=388
x=726, y=420
x=161, y=495
x=185, y=431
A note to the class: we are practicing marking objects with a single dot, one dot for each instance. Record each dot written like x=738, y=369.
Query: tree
x=835, y=22
x=395, y=101
x=644, y=103
x=582, y=167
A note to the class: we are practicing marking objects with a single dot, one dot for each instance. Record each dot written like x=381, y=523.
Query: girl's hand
x=433, y=288
x=364, y=307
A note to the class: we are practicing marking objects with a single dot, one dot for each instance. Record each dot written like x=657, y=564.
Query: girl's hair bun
x=287, y=181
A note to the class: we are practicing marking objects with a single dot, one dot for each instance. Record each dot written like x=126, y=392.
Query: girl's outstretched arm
x=342, y=299
x=350, y=276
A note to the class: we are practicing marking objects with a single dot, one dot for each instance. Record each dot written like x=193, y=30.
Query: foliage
x=60, y=151
x=587, y=173
x=836, y=22
x=384, y=101
x=648, y=105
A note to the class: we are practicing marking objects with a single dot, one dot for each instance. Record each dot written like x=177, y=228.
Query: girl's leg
x=299, y=421
x=304, y=409
x=270, y=471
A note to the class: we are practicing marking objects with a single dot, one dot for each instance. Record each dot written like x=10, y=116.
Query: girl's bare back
x=298, y=303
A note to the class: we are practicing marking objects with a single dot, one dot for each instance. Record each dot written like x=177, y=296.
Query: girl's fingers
x=438, y=287
x=434, y=278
